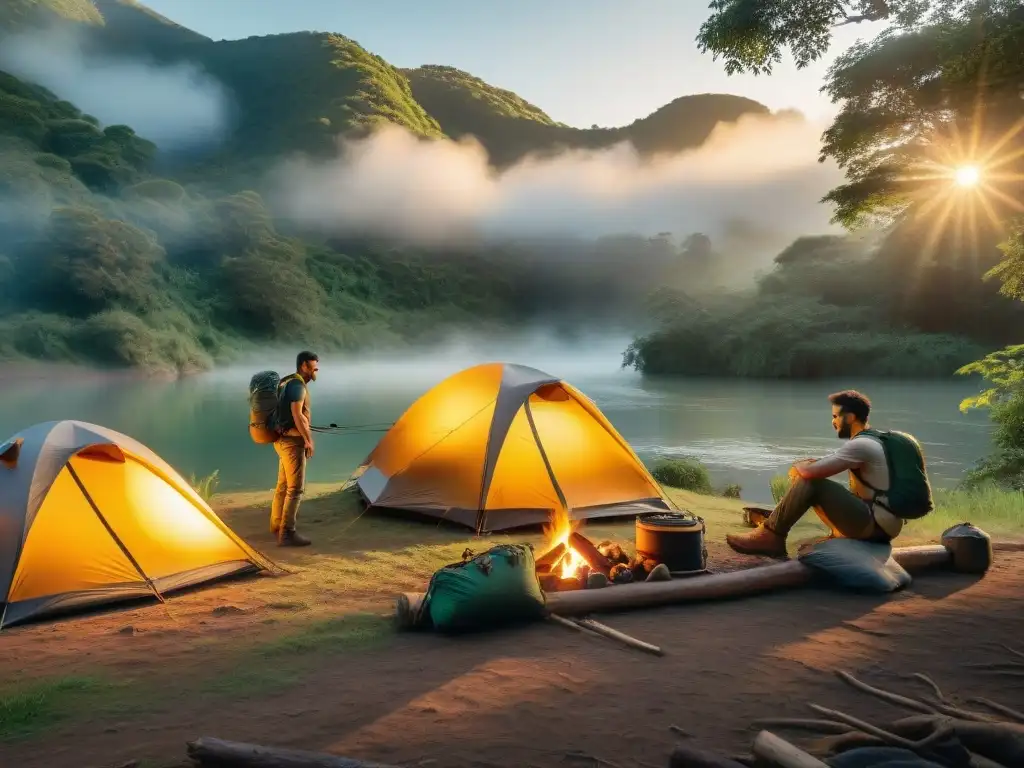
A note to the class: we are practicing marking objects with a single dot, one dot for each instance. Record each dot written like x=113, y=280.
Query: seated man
x=861, y=513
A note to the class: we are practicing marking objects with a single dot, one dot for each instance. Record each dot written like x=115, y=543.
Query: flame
x=558, y=532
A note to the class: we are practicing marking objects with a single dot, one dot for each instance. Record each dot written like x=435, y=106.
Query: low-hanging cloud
x=177, y=106
x=762, y=171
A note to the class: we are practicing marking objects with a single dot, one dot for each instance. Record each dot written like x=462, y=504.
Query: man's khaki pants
x=842, y=511
x=291, y=482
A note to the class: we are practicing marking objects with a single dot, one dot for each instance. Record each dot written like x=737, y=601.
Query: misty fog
x=176, y=106
x=580, y=356
x=761, y=171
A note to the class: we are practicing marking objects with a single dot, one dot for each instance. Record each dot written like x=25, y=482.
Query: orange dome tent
x=498, y=446
x=89, y=516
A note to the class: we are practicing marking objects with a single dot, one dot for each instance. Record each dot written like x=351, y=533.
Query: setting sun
x=967, y=175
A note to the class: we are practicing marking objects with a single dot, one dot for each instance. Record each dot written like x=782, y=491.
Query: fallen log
x=775, y=751
x=217, y=753
x=716, y=586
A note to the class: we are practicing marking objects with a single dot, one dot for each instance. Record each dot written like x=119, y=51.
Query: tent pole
x=114, y=536
x=544, y=457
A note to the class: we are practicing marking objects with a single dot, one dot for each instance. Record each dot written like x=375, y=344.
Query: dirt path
x=529, y=697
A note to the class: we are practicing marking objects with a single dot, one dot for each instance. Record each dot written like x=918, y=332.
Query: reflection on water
x=745, y=431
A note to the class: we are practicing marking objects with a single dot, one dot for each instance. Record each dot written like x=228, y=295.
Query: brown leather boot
x=760, y=541
x=289, y=538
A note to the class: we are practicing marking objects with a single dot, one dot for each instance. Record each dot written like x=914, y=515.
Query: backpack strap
x=875, y=492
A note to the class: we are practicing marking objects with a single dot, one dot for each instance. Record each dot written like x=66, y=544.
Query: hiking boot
x=760, y=541
x=286, y=538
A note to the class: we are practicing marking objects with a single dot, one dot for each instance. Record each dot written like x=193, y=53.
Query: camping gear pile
x=850, y=564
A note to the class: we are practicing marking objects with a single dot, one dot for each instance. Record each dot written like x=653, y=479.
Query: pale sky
x=584, y=62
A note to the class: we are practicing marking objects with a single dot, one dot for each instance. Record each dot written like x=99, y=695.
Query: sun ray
x=999, y=143
x=1013, y=203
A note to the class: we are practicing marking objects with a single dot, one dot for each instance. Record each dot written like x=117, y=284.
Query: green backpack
x=910, y=494
x=493, y=589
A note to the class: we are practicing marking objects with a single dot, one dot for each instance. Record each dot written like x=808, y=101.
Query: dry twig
x=893, y=698
x=941, y=732
x=1000, y=708
x=1014, y=651
x=942, y=707
x=931, y=684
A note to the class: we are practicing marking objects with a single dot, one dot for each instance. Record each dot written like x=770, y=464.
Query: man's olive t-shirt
x=294, y=392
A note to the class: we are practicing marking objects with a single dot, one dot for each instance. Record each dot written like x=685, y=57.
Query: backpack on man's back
x=265, y=389
x=910, y=494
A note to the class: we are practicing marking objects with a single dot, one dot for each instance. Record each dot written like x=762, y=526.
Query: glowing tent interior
x=89, y=516
x=499, y=446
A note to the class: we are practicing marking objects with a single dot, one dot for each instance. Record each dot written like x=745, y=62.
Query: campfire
x=572, y=561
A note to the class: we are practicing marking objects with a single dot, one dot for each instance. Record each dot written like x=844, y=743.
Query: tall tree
x=930, y=133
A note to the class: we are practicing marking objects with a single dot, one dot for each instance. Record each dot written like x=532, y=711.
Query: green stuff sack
x=496, y=588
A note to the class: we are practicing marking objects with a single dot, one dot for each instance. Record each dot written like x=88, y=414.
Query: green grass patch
x=30, y=708
x=280, y=663
x=687, y=474
x=998, y=512
x=357, y=631
x=779, y=485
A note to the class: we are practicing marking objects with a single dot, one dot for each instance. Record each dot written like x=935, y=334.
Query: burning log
x=585, y=548
x=548, y=560
x=716, y=586
x=216, y=753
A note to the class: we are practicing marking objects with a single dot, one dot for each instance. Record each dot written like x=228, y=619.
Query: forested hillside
x=115, y=250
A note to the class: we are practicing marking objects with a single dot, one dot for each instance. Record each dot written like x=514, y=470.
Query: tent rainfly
x=89, y=516
x=499, y=446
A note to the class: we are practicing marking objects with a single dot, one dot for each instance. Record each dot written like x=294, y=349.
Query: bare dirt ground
x=309, y=661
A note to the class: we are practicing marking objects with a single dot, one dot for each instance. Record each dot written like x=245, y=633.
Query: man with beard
x=888, y=485
x=294, y=448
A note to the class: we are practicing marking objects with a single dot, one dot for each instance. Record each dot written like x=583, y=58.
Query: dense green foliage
x=688, y=474
x=751, y=34
x=102, y=261
x=830, y=307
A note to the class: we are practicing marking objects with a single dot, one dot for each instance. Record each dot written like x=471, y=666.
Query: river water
x=744, y=431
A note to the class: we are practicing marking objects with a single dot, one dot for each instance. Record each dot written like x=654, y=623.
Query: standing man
x=888, y=485
x=294, y=447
